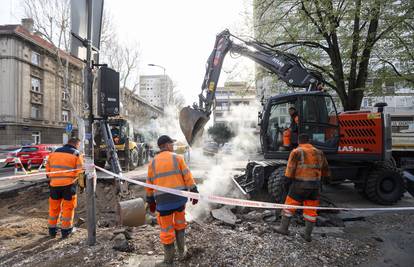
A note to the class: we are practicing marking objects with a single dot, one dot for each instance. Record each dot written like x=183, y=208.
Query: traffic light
x=108, y=92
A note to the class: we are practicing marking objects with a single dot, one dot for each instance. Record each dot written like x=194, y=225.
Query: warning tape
x=243, y=202
x=23, y=176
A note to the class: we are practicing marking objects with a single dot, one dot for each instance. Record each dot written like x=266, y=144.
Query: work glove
x=194, y=190
x=81, y=181
x=152, y=206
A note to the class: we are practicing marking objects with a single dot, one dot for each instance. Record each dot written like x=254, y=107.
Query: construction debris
x=225, y=215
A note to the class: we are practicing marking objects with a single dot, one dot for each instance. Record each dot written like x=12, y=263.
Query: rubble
x=121, y=243
x=247, y=241
x=225, y=215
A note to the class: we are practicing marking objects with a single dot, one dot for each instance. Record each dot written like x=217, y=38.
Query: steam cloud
x=216, y=171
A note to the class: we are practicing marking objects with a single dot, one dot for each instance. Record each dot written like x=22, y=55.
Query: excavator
x=357, y=144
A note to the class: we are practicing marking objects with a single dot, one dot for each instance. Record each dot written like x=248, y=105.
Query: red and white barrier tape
x=24, y=176
x=243, y=202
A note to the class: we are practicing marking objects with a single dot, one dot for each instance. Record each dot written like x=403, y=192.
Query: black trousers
x=66, y=192
x=301, y=191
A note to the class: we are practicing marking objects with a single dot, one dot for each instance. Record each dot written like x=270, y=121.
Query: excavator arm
x=286, y=66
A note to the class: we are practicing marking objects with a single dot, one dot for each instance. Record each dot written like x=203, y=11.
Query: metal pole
x=89, y=163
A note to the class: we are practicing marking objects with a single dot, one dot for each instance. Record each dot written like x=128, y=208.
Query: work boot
x=180, y=241
x=169, y=253
x=284, y=226
x=66, y=232
x=52, y=232
x=307, y=235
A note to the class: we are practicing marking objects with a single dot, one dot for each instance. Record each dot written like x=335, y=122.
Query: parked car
x=227, y=149
x=210, y=148
x=34, y=153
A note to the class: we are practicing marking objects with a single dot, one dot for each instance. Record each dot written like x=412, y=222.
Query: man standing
x=62, y=199
x=168, y=169
x=305, y=168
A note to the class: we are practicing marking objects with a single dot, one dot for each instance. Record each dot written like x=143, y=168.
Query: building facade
x=137, y=110
x=232, y=94
x=156, y=89
x=33, y=105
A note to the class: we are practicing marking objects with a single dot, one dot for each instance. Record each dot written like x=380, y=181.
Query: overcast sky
x=178, y=35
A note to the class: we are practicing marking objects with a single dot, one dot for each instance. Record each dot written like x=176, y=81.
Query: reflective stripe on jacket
x=168, y=169
x=307, y=163
x=64, y=158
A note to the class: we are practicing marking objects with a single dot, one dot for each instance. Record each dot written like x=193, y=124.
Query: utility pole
x=86, y=24
x=89, y=162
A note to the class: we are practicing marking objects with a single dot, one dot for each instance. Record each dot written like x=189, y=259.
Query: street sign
x=79, y=25
x=69, y=127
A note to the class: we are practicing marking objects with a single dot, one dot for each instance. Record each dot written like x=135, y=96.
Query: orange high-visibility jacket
x=168, y=169
x=307, y=163
x=64, y=158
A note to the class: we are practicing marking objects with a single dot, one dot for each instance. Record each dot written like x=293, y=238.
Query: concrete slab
x=224, y=214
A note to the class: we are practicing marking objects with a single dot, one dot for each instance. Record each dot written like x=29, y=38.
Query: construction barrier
x=243, y=202
x=24, y=176
x=43, y=164
x=18, y=166
x=29, y=166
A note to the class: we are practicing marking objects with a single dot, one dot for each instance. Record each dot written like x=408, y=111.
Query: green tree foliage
x=220, y=133
x=347, y=40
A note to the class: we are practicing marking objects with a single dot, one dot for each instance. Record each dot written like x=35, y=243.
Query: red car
x=35, y=153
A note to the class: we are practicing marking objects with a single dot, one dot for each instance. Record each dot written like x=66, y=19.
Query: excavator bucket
x=192, y=123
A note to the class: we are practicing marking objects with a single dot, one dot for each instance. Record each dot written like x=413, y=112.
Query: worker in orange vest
x=290, y=135
x=306, y=166
x=168, y=169
x=62, y=199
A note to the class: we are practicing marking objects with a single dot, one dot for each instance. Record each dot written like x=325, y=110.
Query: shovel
x=192, y=123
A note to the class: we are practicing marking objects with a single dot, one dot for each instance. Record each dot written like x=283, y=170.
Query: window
x=36, y=85
x=36, y=58
x=65, y=96
x=320, y=121
x=35, y=112
x=30, y=148
x=36, y=138
x=65, y=115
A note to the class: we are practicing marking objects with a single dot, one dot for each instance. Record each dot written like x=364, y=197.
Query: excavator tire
x=141, y=157
x=384, y=185
x=277, y=185
x=133, y=159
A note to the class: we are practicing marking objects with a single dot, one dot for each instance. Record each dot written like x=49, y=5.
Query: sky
x=178, y=35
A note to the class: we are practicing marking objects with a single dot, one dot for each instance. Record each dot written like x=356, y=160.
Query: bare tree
x=177, y=98
x=52, y=21
x=125, y=59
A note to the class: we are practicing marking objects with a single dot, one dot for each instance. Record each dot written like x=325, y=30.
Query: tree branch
x=405, y=77
x=301, y=43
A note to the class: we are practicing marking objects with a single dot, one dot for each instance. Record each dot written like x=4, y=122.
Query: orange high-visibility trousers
x=308, y=214
x=169, y=224
x=64, y=208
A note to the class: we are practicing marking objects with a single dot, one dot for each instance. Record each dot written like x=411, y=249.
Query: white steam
x=214, y=173
x=219, y=170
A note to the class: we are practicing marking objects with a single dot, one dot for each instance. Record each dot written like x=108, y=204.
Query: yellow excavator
x=131, y=152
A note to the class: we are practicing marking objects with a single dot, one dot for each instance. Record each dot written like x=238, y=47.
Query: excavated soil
x=381, y=239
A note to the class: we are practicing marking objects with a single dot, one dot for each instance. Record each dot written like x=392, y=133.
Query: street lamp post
x=165, y=80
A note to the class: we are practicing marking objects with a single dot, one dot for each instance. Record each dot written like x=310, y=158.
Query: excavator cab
x=287, y=116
